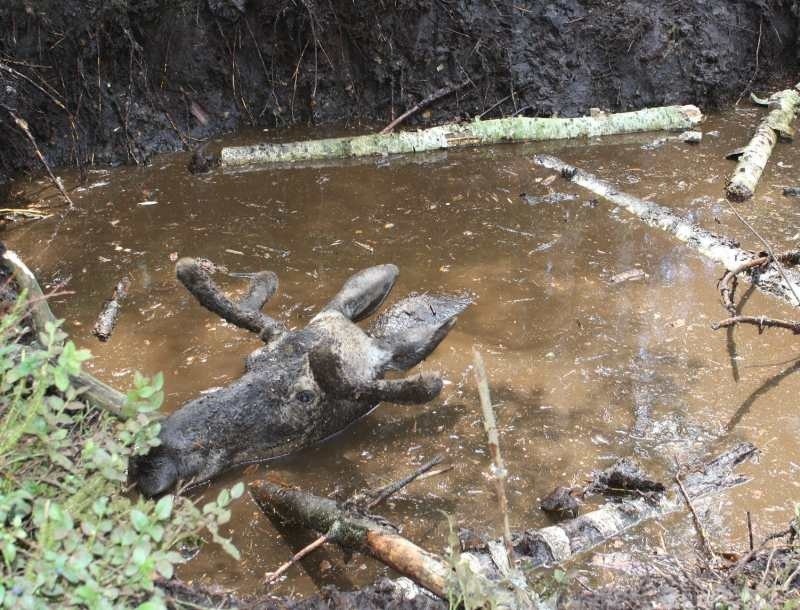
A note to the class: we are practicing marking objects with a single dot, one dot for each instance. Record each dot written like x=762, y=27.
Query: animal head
x=302, y=386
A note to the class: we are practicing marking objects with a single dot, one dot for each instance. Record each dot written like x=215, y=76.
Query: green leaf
x=164, y=508
x=224, y=498
x=165, y=568
x=61, y=379
x=140, y=521
x=237, y=490
x=157, y=381
x=156, y=603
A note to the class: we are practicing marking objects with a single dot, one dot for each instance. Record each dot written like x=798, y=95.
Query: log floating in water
x=718, y=248
x=515, y=129
x=785, y=105
x=546, y=546
x=96, y=392
x=107, y=320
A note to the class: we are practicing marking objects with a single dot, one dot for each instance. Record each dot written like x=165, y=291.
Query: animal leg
x=244, y=314
x=263, y=286
x=409, y=391
x=330, y=376
x=364, y=292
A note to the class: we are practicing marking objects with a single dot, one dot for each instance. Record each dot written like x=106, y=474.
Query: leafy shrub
x=71, y=535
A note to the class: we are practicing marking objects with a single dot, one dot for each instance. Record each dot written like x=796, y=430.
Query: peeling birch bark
x=718, y=248
x=475, y=133
x=784, y=108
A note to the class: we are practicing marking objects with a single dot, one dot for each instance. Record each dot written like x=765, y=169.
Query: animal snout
x=155, y=473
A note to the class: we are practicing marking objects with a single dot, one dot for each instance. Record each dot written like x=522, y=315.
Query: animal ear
x=364, y=292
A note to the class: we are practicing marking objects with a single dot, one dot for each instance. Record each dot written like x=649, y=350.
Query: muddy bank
x=108, y=82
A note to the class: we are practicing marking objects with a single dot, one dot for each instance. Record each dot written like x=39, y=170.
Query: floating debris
x=626, y=474
x=692, y=137
x=550, y=198
x=736, y=153
x=631, y=275
x=561, y=503
x=791, y=191
x=657, y=143
x=545, y=246
x=149, y=202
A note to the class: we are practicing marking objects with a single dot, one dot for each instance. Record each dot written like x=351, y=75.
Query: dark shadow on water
x=765, y=387
x=729, y=334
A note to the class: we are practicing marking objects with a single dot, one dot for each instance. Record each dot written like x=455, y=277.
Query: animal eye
x=305, y=396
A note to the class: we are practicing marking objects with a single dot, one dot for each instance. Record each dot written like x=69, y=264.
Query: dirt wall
x=107, y=81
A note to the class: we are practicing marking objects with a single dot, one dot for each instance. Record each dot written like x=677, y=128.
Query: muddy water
x=583, y=370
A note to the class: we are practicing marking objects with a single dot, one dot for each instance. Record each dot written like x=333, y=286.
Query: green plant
x=70, y=536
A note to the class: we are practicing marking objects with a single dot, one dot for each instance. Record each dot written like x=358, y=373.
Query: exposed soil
x=116, y=81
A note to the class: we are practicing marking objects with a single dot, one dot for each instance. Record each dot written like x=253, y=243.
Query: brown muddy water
x=583, y=370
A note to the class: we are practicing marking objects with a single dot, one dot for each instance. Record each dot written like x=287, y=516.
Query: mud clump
x=116, y=82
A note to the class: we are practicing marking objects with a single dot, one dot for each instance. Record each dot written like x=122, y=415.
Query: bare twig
x=761, y=321
x=697, y=524
x=385, y=492
x=436, y=95
x=769, y=249
x=23, y=126
x=740, y=565
x=498, y=470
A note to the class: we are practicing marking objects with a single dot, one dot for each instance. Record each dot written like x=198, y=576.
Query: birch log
x=97, y=393
x=784, y=108
x=515, y=129
x=719, y=249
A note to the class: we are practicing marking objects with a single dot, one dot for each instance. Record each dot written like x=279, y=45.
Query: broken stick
x=107, y=320
x=354, y=531
x=784, y=108
x=498, y=472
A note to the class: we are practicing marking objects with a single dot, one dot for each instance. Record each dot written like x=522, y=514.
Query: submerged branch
x=718, y=248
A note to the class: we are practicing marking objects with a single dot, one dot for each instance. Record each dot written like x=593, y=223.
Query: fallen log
x=452, y=135
x=784, y=108
x=352, y=530
x=720, y=249
x=377, y=497
x=107, y=320
x=533, y=548
x=97, y=393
